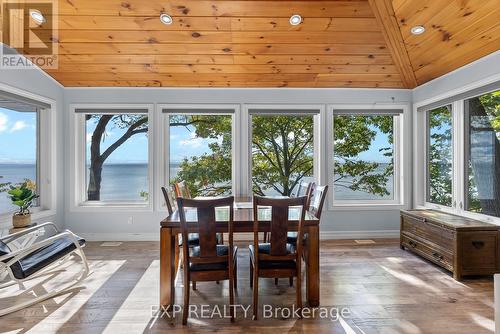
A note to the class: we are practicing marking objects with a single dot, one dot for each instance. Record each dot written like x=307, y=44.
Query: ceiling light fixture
x=37, y=16
x=295, y=19
x=417, y=30
x=166, y=19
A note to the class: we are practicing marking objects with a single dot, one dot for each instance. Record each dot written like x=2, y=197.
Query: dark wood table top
x=243, y=217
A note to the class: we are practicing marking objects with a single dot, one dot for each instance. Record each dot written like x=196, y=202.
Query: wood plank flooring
x=385, y=289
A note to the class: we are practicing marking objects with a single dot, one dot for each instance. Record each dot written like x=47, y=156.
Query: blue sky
x=184, y=144
x=373, y=154
x=134, y=150
x=17, y=136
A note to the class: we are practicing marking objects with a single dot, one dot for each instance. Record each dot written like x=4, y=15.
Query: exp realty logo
x=29, y=34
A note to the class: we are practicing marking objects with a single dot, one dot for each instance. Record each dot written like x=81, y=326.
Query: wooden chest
x=461, y=245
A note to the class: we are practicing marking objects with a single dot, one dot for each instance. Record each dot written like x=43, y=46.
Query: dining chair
x=303, y=189
x=181, y=189
x=316, y=208
x=209, y=261
x=276, y=258
x=193, y=238
x=167, y=195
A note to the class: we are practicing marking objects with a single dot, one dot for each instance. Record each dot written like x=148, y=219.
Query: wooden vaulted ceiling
x=222, y=43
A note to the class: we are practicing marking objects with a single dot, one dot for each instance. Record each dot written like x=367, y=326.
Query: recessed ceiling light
x=37, y=16
x=417, y=30
x=166, y=19
x=295, y=19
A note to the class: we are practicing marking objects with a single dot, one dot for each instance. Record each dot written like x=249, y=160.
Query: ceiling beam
x=384, y=14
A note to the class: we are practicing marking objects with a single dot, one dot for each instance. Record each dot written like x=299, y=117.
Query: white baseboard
x=380, y=234
x=324, y=235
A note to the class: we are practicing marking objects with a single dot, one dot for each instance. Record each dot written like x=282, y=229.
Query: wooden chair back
x=206, y=228
x=279, y=225
x=167, y=195
x=306, y=189
x=181, y=190
x=318, y=200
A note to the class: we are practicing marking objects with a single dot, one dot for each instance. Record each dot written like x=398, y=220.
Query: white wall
x=114, y=225
x=37, y=82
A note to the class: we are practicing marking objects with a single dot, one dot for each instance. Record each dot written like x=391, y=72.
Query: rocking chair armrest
x=14, y=236
x=21, y=253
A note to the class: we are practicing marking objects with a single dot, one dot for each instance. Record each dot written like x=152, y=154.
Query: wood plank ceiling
x=221, y=43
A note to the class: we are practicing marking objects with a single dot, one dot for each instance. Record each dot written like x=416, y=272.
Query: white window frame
x=455, y=155
x=318, y=139
x=78, y=202
x=401, y=157
x=46, y=156
x=163, y=149
x=459, y=185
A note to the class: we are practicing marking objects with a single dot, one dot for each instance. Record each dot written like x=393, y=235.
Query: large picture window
x=19, y=161
x=439, y=156
x=482, y=150
x=116, y=157
x=282, y=152
x=200, y=150
x=364, y=157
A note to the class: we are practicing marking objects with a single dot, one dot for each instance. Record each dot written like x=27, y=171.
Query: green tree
x=440, y=156
x=282, y=153
x=208, y=174
x=282, y=148
x=353, y=136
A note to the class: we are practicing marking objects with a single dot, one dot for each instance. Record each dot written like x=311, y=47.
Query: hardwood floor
x=385, y=289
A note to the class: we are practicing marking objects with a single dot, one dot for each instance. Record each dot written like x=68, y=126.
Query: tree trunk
x=95, y=177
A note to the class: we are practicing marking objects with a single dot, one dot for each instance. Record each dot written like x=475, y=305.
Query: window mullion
x=458, y=157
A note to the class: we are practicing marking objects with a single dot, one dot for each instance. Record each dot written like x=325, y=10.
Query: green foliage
x=22, y=195
x=353, y=136
x=144, y=195
x=440, y=156
x=282, y=152
x=208, y=174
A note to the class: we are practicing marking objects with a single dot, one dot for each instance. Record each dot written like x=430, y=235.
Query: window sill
x=366, y=207
x=112, y=207
x=6, y=218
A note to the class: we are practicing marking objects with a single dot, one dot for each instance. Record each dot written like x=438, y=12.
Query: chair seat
x=43, y=257
x=265, y=248
x=222, y=250
x=194, y=239
x=291, y=238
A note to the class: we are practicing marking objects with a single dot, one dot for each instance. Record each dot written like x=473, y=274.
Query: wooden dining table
x=243, y=223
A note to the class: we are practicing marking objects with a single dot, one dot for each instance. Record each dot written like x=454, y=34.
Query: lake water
x=124, y=182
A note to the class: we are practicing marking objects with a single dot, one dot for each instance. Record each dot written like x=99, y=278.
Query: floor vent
x=364, y=242
x=111, y=244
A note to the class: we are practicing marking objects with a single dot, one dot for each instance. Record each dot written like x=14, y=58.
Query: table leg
x=167, y=266
x=312, y=266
